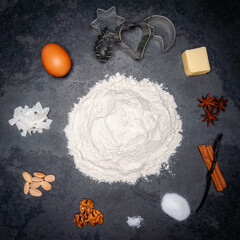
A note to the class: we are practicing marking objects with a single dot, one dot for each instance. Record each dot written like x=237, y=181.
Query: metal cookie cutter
x=167, y=34
x=146, y=34
x=107, y=18
x=103, y=57
x=106, y=24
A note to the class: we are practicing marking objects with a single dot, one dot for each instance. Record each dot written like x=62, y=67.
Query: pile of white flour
x=123, y=130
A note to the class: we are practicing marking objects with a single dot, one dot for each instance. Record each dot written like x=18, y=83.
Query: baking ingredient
x=195, y=61
x=207, y=102
x=88, y=214
x=81, y=219
x=135, y=221
x=37, y=179
x=35, y=192
x=50, y=178
x=55, y=60
x=26, y=188
x=39, y=174
x=35, y=184
x=27, y=177
x=210, y=105
x=31, y=119
x=220, y=104
x=206, y=158
x=210, y=117
x=175, y=206
x=219, y=174
x=123, y=129
x=46, y=186
x=211, y=170
x=86, y=205
x=217, y=177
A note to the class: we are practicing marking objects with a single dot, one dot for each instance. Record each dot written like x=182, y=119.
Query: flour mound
x=123, y=130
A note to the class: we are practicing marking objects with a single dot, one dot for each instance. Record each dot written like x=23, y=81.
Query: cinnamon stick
x=206, y=158
x=220, y=176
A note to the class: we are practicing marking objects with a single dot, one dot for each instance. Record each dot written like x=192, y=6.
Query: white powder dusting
x=123, y=130
x=175, y=206
x=135, y=221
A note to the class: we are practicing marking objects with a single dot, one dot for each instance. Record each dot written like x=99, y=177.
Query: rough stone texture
x=26, y=26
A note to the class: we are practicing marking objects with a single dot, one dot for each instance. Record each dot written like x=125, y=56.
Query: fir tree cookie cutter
x=103, y=56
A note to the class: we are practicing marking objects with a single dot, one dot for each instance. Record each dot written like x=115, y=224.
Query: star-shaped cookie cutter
x=107, y=18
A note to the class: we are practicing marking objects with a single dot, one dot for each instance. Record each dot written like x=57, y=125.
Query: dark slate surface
x=26, y=26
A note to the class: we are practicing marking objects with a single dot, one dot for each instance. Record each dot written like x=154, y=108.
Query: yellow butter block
x=195, y=61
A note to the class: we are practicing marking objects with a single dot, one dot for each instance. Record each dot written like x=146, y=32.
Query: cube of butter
x=195, y=61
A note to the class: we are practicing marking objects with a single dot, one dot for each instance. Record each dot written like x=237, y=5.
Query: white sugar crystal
x=135, y=221
x=175, y=206
x=31, y=119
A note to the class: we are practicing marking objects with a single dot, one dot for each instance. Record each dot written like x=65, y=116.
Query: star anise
x=220, y=104
x=206, y=102
x=209, y=117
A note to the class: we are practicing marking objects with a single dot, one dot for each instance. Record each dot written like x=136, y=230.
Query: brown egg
x=55, y=60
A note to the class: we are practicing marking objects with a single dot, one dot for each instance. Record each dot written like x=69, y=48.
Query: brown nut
x=81, y=219
x=39, y=174
x=27, y=177
x=83, y=205
x=35, y=192
x=50, y=178
x=34, y=185
x=37, y=179
x=26, y=188
x=46, y=186
x=98, y=216
x=86, y=205
x=92, y=219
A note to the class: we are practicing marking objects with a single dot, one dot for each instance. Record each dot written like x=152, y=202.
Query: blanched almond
x=26, y=188
x=46, y=186
x=35, y=192
x=27, y=177
x=39, y=174
x=35, y=184
x=37, y=179
x=50, y=178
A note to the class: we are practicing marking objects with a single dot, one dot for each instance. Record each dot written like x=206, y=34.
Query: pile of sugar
x=135, y=221
x=175, y=206
x=123, y=129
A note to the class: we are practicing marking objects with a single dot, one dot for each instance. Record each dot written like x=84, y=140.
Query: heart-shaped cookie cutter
x=146, y=35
